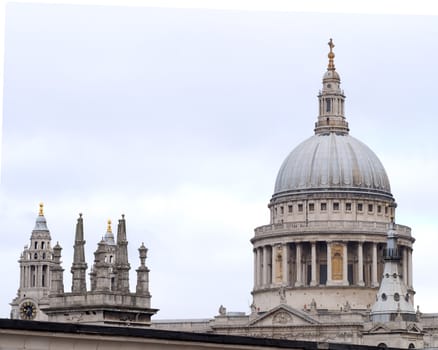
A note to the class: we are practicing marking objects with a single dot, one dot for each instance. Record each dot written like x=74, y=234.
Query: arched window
x=35, y=256
x=42, y=245
x=411, y=346
x=36, y=245
x=382, y=346
x=111, y=259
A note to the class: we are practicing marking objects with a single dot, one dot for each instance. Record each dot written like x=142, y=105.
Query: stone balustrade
x=338, y=226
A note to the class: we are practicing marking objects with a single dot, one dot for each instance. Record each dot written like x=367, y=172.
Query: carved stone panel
x=337, y=260
x=281, y=318
x=278, y=264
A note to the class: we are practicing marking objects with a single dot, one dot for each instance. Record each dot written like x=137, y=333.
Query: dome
x=332, y=162
x=331, y=74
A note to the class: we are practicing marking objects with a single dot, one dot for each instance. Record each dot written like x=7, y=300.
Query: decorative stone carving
x=337, y=260
x=222, y=310
x=279, y=264
x=346, y=307
x=281, y=318
x=282, y=294
x=313, y=306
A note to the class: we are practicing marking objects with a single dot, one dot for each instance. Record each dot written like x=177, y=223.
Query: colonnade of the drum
x=301, y=264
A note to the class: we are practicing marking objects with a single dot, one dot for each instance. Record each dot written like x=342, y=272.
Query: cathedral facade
x=330, y=266
x=323, y=259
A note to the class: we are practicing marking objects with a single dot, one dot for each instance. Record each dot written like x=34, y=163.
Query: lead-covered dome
x=332, y=162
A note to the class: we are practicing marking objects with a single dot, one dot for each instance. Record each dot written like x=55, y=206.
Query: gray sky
x=181, y=118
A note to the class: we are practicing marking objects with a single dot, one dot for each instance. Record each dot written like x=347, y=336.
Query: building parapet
x=338, y=226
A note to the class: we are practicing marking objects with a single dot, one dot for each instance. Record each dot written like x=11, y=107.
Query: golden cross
x=331, y=45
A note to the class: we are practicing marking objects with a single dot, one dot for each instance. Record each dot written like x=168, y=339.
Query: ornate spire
x=40, y=223
x=331, y=101
x=41, y=212
x=122, y=263
x=79, y=265
x=108, y=238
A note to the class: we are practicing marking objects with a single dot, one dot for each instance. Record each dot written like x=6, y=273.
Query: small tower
x=331, y=116
x=35, y=273
x=393, y=318
x=104, y=274
x=57, y=272
x=143, y=273
x=392, y=298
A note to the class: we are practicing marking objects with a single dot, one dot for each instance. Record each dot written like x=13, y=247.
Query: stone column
x=285, y=264
x=265, y=266
x=26, y=274
x=21, y=276
x=273, y=265
x=260, y=266
x=405, y=265
x=255, y=268
x=360, y=281
x=37, y=276
x=345, y=265
x=313, y=280
x=409, y=268
x=299, y=281
x=374, y=281
x=329, y=263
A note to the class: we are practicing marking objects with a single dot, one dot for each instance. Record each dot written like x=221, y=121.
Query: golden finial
x=41, y=213
x=109, y=227
x=331, y=56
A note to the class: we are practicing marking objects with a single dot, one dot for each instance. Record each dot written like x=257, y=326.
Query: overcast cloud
x=181, y=118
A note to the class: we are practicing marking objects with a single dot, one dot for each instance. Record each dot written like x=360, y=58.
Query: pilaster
x=374, y=281
x=299, y=281
x=345, y=264
x=313, y=281
x=360, y=281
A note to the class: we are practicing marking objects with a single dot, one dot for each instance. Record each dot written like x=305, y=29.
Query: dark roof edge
x=334, y=190
x=75, y=328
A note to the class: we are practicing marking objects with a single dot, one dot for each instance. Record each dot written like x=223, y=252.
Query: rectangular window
x=300, y=207
x=311, y=206
x=348, y=206
x=289, y=208
x=370, y=208
x=281, y=210
x=350, y=274
x=359, y=207
x=275, y=210
x=386, y=210
x=328, y=105
x=323, y=206
x=379, y=209
x=336, y=206
x=309, y=274
x=322, y=274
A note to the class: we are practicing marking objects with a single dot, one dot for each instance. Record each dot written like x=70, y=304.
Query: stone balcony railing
x=332, y=226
